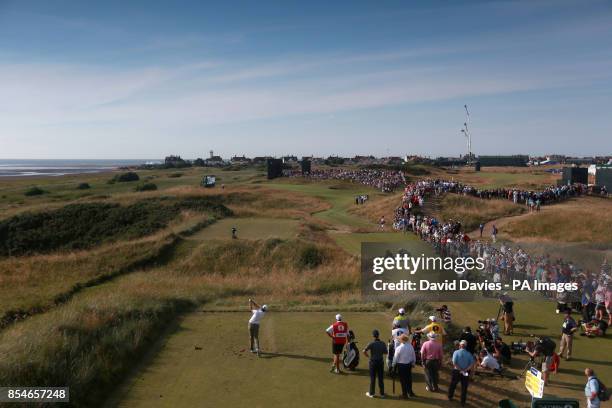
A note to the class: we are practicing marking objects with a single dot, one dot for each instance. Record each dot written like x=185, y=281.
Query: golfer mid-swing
x=258, y=314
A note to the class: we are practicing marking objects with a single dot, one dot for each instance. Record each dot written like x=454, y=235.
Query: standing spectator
x=463, y=361
x=382, y=223
x=494, y=234
x=481, y=228
x=588, y=301
x=507, y=305
x=600, y=300
x=568, y=328
x=434, y=327
x=431, y=358
x=609, y=303
x=404, y=358
x=591, y=389
x=470, y=339
x=378, y=349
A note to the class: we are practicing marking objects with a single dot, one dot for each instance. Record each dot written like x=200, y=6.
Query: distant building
x=240, y=160
x=393, y=160
x=290, y=159
x=214, y=161
x=580, y=160
x=260, y=159
x=450, y=161
x=519, y=160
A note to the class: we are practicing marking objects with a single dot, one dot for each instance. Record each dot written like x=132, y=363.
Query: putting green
x=249, y=228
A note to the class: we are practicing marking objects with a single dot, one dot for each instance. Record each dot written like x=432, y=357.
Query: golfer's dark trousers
x=432, y=368
x=405, y=377
x=456, y=378
x=377, y=369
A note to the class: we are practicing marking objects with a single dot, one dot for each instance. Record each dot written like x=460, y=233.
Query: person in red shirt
x=338, y=332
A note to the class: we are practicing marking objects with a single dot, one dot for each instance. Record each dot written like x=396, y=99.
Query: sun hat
x=401, y=311
x=432, y=318
x=264, y=308
x=338, y=317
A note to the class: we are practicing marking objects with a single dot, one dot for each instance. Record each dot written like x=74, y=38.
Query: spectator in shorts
x=338, y=332
x=508, y=308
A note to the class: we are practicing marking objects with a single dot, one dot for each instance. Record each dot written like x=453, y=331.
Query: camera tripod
x=531, y=363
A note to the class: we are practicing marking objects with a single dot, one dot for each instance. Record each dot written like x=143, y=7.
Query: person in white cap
x=254, y=321
x=434, y=327
x=401, y=320
x=338, y=332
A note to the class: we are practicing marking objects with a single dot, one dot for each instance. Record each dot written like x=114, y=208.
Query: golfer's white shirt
x=258, y=314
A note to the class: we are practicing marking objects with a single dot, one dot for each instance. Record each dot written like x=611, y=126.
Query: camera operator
x=501, y=351
x=568, y=328
x=493, y=328
x=507, y=305
x=485, y=338
x=470, y=340
x=545, y=349
x=488, y=361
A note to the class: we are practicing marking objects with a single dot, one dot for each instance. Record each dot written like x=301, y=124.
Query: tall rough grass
x=472, y=211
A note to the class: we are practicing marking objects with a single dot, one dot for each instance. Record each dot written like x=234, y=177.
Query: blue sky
x=145, y=79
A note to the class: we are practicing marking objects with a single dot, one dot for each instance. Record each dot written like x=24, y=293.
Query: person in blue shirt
x=463, y=361
x=591, y=389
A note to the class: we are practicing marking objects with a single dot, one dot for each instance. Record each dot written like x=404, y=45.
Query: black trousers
x=456, y=377
x=404, y=372
x=431, y=374
x=377, y=369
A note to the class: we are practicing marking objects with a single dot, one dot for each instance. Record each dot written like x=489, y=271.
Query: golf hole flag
x=534, y=383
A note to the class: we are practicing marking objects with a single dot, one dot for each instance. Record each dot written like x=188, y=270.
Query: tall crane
x=467, y=134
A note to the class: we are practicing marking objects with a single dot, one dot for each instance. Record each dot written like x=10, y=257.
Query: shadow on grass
x=528, y=327
x=296, y=356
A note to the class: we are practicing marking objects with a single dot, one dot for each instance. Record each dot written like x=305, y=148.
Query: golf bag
x=350, y=359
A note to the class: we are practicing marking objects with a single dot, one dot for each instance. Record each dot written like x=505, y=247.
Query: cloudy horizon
x=140, y=80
